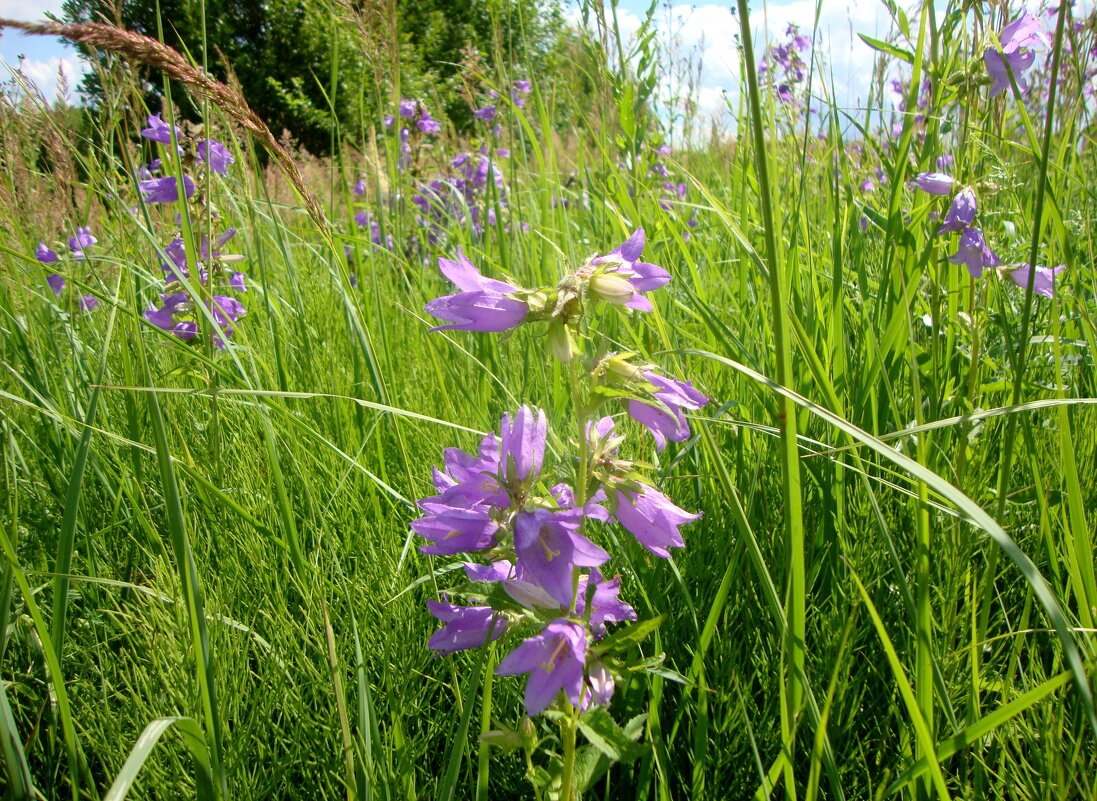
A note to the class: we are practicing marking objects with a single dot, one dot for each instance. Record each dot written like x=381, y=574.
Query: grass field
x=891, y=589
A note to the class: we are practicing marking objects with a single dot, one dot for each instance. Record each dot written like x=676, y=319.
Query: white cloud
x=25, y=11
x=44, y=74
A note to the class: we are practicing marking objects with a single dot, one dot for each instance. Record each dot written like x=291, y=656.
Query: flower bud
x=612, y=288
x=561, y=341
x=619, y=365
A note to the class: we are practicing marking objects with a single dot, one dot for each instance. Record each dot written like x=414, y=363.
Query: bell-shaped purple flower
x=484, y=305
x=89, y=303
x=1044, y=281
x=554, y=660
x=974, y=252
x=218, y=156
x=465, y=627
x=605, y=603
x=624, y=282
x=159, y=131
x=961, y=213
x=45, y=255
x=522, y=445
x=165, y=190
x=550, y=547
x=652, y=518
x=83, y=239
x=1016, y=39
x=675, y=395
x=455, y=529
x=936, y=183
x=56, y=284
x=485, y=114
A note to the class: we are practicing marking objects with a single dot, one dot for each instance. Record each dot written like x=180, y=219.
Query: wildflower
x=165, y=190
x=88, y=303
x=550, y=547
x=159, y=131
x=464, y=627
x=485, y=114
x=675, y=396
x=652, y=518
x=56, y=284
x=360, y=187
x=83, y=239
x=238, y=281
x=164, y=317
x=945, y=162
x=522, y=445
x=936, y=183
x=605, y=605
x=961, y=213
x=1044, y=281
x=1015, y=56
x=429, y=126
x=554, y=660
x=483, y=305
x=627, y=277
x=974, y=252
x=408, y=108
x=216, y=154
x=784, y=93
x=45, y=255
x=868, y=185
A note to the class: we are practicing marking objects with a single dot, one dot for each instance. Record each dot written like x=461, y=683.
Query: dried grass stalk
x=156, y=54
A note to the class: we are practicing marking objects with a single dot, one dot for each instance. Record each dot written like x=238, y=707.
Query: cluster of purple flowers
x=178, y=312
x=167, y=189
x=416, y=123
x=519, y=92
x=972, y=249
x=468, y=196
x=673, y=193
x=785, y=65
x=82, y=239
x=535, y=546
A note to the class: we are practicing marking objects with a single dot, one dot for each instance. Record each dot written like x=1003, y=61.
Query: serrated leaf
x=632, y=635
x=602, y=732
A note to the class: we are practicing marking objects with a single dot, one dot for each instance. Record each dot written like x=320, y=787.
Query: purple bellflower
x=522, y=445
x=89, y=303
x=550, y=547
x=1016, y=56
x=675, y=395
x=218, y=156
x=464, y=627
x=961, y=213
x=45, y=255
x=936, y=183
x=485, y=114
x=1044, y=281
x=652, y=518
x=159, y=131
x=484, y=304
x=974, y=252
x=623, y=283
x=554, y=660
x=56, y=284
x=83, y=239
x=165, y=190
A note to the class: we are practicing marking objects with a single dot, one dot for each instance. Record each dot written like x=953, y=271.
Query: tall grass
x=209, y=586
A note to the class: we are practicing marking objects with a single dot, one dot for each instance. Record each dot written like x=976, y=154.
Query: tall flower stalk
x=537, y=566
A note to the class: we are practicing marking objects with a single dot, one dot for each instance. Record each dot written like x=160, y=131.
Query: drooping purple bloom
x=45, y=255
x=56, y=284
x=83, y=239
x=936, y=183
x=638, y=275
x=216, y=154
x=238, y=281
x=554, y=660
x=429, y=126
x=464, y=627
x=868, y=185
x=89, y=303
x=652, y=518
x=485, y=114
x=483, y=305
x=945, y=162
x=605, y=603
x=1016, y=56
x=164, y=317
x=359, y=187
x=408, y=108
x=1044, y=281
x=974, y=252
x=165, y=190
x=522, y=445
x=784, y=93
x=550, y=547
x=676, y=396
x=454, y=529
x=961, y=213
x=159, y=131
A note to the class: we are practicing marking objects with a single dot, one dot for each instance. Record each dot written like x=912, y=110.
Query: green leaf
x=626, y=637
x=889, y=49
x=602, y=731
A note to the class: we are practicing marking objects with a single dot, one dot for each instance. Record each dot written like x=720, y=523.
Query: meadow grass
x=891, y=590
